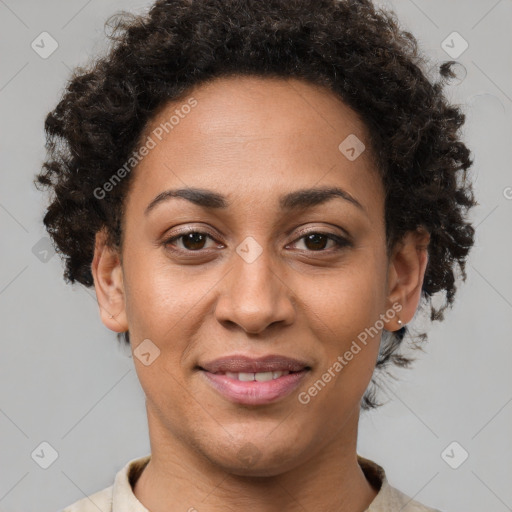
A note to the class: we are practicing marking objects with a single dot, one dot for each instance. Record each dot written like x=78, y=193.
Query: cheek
x=344, y=312
x=160, y=303
x=349, y=300
x=160, y=296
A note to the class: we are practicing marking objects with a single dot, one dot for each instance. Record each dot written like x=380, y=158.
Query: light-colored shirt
x=119, y=497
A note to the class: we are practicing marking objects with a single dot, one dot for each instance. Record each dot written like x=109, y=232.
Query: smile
x=254, y=388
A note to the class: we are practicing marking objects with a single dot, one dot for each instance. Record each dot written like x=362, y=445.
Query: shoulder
x=119, y=496
x=397, y=500
x=388, y=498
x=101, y=500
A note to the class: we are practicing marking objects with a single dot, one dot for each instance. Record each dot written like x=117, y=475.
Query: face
x=255, y=270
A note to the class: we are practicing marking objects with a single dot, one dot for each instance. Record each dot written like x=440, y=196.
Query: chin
x=263, y=459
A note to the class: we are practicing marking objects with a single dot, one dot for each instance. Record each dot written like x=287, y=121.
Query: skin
x=253, y=140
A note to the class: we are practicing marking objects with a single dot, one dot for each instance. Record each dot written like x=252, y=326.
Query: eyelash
x=340, y=241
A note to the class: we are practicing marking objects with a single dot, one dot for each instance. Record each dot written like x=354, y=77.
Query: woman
x=261, y=193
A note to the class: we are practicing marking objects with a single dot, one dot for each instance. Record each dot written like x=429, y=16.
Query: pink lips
x=241, y=363
x=254, y=392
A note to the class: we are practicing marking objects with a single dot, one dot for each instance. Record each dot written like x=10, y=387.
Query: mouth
x=254, y=381
x=255, y=376
x=240, y=363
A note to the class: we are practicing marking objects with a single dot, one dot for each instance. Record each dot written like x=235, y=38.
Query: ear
x=406, y=273
x=108, y=282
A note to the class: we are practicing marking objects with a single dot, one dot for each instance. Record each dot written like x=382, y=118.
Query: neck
x=180, y=478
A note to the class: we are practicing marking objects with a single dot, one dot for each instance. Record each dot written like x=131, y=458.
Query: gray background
x=66, y=381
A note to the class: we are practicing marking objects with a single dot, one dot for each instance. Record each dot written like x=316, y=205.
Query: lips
x=253, y=381
x=239, y=363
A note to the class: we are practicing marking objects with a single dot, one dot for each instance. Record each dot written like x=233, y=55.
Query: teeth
x=263, y=376
x=260, y=377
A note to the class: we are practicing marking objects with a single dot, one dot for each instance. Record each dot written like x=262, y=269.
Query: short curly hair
x=355, y=49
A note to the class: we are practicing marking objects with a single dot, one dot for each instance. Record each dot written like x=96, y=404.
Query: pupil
x=193, y=238
x=315, y=237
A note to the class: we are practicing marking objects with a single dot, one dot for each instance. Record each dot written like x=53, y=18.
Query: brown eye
x=194, y=241
x=190, y=242
x=316, y=241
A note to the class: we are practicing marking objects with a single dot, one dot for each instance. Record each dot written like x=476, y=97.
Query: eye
x=317, y=241
x=192, y=241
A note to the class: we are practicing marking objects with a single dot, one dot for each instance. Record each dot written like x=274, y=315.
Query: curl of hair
x=355, y=49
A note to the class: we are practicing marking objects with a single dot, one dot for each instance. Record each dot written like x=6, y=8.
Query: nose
x=254, y=295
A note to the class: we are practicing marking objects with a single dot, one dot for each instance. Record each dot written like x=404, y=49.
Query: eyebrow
x=296, y=200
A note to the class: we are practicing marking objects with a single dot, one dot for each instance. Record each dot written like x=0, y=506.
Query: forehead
x=257, y=137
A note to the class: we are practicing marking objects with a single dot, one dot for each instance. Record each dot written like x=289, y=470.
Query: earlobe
x=108, y=282
x=406, y=273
